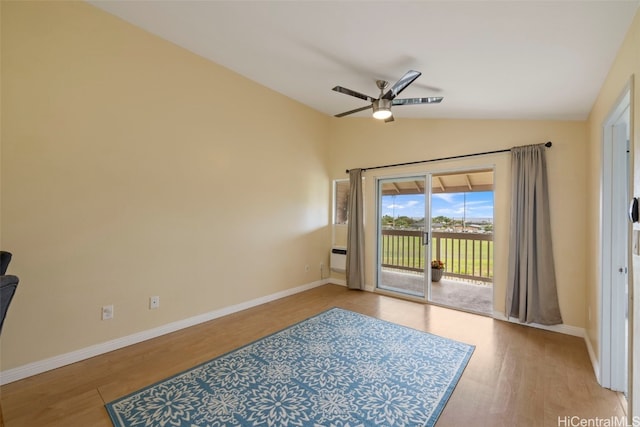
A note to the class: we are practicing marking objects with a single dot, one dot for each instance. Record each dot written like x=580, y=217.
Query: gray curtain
x=532, y=296
x=355, y=232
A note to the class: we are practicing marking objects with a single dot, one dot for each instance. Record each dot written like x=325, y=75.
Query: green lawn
x=460, y=255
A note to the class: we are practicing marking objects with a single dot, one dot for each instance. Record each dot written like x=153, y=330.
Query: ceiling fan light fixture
x=381, y=109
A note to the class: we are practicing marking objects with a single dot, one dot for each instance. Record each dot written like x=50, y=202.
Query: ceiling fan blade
x=401, y=84
x=390, y=119
x=353, y=93
x=413, y=101
x=346, y=113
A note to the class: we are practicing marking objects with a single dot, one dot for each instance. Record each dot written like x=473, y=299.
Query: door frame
x=611, y=299
x=427, y=246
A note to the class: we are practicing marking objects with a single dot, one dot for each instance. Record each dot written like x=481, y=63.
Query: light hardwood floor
x=517, y=376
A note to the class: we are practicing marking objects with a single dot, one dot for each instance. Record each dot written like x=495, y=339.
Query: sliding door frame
x=379, y=180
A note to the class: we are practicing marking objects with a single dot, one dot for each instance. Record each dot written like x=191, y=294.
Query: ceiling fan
x=382, y=105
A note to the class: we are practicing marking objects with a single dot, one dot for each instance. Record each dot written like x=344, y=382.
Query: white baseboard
x=563, y=329
x=34, y=368
x=592, y=357
x=340, y=282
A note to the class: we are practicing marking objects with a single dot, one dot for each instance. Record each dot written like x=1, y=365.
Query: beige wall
x=363, y=143
x=131, y=168
x=626, y=65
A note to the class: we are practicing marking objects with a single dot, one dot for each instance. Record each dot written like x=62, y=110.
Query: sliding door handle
x=634, y=210
x=426, y=238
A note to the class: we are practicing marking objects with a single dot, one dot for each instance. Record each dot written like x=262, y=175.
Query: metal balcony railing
x=466, y=255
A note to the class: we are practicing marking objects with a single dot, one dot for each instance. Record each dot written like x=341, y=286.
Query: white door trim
x=613, y=358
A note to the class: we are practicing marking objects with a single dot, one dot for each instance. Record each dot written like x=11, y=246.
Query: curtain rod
x=548, y=144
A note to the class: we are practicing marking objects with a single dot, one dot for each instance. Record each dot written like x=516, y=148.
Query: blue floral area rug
x=338, y=368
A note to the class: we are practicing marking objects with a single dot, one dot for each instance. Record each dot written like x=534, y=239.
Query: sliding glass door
x=462, y=240
x=403, y=235
x=445, y=218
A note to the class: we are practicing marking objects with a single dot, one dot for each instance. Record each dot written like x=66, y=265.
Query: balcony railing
x=466, y=255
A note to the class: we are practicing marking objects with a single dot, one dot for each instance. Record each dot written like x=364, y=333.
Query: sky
x=451, y=205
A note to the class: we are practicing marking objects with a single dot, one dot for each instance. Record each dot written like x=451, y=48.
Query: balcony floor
x=451, y=292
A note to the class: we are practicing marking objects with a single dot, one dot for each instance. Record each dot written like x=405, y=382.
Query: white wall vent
x=339, y=259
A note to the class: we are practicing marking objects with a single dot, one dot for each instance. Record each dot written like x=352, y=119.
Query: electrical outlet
x=107, y=312
x=154, y=302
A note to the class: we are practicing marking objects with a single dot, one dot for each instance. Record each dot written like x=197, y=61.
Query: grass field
x=464, y=255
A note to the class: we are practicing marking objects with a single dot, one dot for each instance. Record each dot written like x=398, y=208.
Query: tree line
x=445, y=222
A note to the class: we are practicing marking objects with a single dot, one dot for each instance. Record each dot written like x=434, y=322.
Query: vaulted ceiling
x=488, y=59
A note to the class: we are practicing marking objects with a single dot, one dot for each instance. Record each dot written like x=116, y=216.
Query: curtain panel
x=532, y=295
x=355, y=232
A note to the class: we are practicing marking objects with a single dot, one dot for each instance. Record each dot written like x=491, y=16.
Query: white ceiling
x=488, y=59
